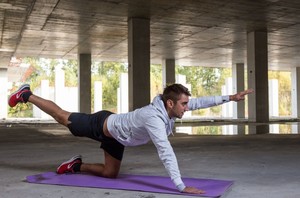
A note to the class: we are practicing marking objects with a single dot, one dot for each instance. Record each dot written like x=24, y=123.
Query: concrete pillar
x=274, y=95
x=238, y=85
x=227, y=108
x=59, y=88
x=123, y=94
x=295, y=74
x=3, y=93
x=274, y=104
x=97, y=96
x=85, y=95
x=295, y=77
x=181, y=79
x=168, y=70
x=45, y=93
x=139, y=62
x=257, y=66
x=295, y=127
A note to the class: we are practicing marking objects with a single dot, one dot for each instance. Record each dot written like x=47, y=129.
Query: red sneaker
x=68, y=166
x=16, y=97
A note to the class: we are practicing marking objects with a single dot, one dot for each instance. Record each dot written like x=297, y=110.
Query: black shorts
x=91, y=125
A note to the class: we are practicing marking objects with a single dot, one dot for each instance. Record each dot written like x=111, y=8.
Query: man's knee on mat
x=110, y=174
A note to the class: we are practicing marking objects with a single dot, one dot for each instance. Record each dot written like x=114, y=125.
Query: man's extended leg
x=24, y=95
x=49, y=107
x=110, y=168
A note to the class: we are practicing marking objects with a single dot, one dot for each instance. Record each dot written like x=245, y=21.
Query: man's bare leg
x=49, y=107
x=109, y=169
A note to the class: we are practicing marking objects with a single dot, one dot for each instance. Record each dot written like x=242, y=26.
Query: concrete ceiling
x=194, y=32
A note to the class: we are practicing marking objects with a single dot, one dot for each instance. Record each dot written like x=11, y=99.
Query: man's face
x=177, y=109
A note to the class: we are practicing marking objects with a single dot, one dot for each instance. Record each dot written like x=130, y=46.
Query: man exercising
x=153, y=122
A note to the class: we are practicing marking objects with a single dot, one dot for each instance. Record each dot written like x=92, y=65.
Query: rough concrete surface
x=262, y=166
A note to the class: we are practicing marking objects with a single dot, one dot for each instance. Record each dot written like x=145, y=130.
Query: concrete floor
x=262, y=166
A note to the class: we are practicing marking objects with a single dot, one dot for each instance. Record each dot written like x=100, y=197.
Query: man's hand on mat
x=193, y=190
x=241, y=95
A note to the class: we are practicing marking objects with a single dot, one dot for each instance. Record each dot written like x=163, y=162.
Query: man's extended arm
x=210, y=101
x=241, y=95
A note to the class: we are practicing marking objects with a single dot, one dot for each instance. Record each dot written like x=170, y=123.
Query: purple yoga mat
x=155, y=184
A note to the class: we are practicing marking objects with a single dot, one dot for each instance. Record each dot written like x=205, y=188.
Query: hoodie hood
x=159, y=105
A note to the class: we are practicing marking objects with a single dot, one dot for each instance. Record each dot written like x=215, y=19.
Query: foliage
x=205, y=81
x=207, y=130
x=284, y=91
x=70, y=68
x=156, y=80
x=43, y=69
x=109, y=73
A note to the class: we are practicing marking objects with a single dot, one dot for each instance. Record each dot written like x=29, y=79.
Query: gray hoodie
x=153, y=123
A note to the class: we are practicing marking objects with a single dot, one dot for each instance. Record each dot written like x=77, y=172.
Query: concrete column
x=168, y=70
x=274, y=95
x=3, y=93
x=295, y=127
x=274, y=104
x=227, y=108
x=257, y=66
x=59, y=88
x=238, y=85
x=123, y=94
x=296, y=92
x=295, y=77
x=85, y=95
x=45, y=93
x=97, y=96
x=139, y=62
x=181, y=79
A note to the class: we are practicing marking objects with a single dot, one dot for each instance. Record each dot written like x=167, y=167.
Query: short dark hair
x=173, y=92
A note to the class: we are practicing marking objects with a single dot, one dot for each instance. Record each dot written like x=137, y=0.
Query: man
x=115, y=131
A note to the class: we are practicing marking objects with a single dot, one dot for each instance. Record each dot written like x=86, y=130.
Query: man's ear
x=170, y=103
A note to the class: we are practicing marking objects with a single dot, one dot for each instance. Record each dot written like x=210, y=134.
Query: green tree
x=43, y=69
x=39, y=69
x=284, y=91
x=156, y=80
x=70, y=68
x=109, y=73
x=205, y=81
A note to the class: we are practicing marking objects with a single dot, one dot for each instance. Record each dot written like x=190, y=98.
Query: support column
x=295, y=77
x=3, y=93
x=168, y=70
x=139, y=62
x=45, y=93
x=85, y=94
x=59, y=88
x=238, y=84
x=123, y=94
x=257, y=60
x=296, y=92
x=97, y=96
